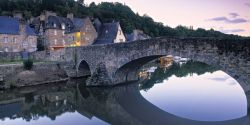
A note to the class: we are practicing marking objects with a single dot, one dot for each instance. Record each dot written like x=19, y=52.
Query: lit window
x=106, y=31
x=5, y=39
x=63, y=33
x=55, y=25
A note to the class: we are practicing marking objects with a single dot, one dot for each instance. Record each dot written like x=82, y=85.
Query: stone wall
x=57, y=55
x=17, y=43
x=16, y=75
x=6, y=57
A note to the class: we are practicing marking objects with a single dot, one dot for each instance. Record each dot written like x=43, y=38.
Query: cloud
x=247, y=4
x=233, y=31
x=234, y=15
x=234, y=19
x=226, y=20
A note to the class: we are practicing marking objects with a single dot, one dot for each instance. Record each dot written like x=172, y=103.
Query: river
x=175, y=94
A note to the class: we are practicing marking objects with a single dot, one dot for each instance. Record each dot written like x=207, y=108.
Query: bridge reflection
x=123, y=105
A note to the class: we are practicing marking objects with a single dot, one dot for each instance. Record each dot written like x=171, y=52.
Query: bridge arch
x=83, y=69
x=129, y=71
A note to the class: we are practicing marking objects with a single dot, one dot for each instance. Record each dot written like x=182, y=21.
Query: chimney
x=42, y=17
x=70, y=16
x=18, y=15
x=49, y=13
x=22, y=27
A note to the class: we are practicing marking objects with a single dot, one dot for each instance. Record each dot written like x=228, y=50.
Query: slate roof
x=59, y=21
x=29, y=30
x=70, y=25
x=9, y=25
x=107, y=33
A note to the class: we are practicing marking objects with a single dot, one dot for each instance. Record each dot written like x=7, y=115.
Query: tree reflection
x=177, y=69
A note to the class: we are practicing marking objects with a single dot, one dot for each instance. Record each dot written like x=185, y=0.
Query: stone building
x=109, y=32
x=16, y=35
x=60, y=32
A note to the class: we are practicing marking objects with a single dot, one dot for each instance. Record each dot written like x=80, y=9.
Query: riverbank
x=14, y=75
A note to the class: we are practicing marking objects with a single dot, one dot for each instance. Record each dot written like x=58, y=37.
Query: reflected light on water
x=65, y=119
x=208, y=97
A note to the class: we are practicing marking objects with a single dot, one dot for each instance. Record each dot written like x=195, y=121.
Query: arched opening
x=83, y=69
x=129, y=71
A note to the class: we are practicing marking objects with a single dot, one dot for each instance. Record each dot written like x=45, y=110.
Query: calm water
x=191, y=93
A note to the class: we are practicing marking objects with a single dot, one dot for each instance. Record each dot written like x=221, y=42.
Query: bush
x=28, y=64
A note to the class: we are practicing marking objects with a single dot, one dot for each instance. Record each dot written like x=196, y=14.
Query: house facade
x=16, y=35
x=109, y=33
x=60, y=32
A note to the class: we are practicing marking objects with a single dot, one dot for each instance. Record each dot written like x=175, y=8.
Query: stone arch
x=129, y=71
x=83, y=69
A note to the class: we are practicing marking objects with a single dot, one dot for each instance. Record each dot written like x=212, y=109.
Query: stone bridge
x=119, y=63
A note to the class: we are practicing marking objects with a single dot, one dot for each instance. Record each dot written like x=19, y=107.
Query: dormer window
x=54, y=24
x=63, y=26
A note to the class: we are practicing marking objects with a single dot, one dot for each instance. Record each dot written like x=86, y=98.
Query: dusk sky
x=228, y=16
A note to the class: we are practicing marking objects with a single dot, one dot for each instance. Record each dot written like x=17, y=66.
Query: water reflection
x=180, y=70
x=195, y=91
x=169, y=102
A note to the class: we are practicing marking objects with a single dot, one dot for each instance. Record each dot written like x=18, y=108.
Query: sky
x=228, y=16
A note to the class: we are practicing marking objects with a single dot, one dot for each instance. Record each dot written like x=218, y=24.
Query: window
x=5, y=39
x=120, y=32
x=87, y=38
x=14, y=40
x=6, y=49
x=63, y=42
x=25, y=44
x=55, y=32
x=106, y=31
x=55, y=41
x=31, y=42
x=63, y=26
x=63, y=33
x=54, y=25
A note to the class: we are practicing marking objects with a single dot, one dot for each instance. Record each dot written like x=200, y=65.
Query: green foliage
x=28, y=64
x=106, y=12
